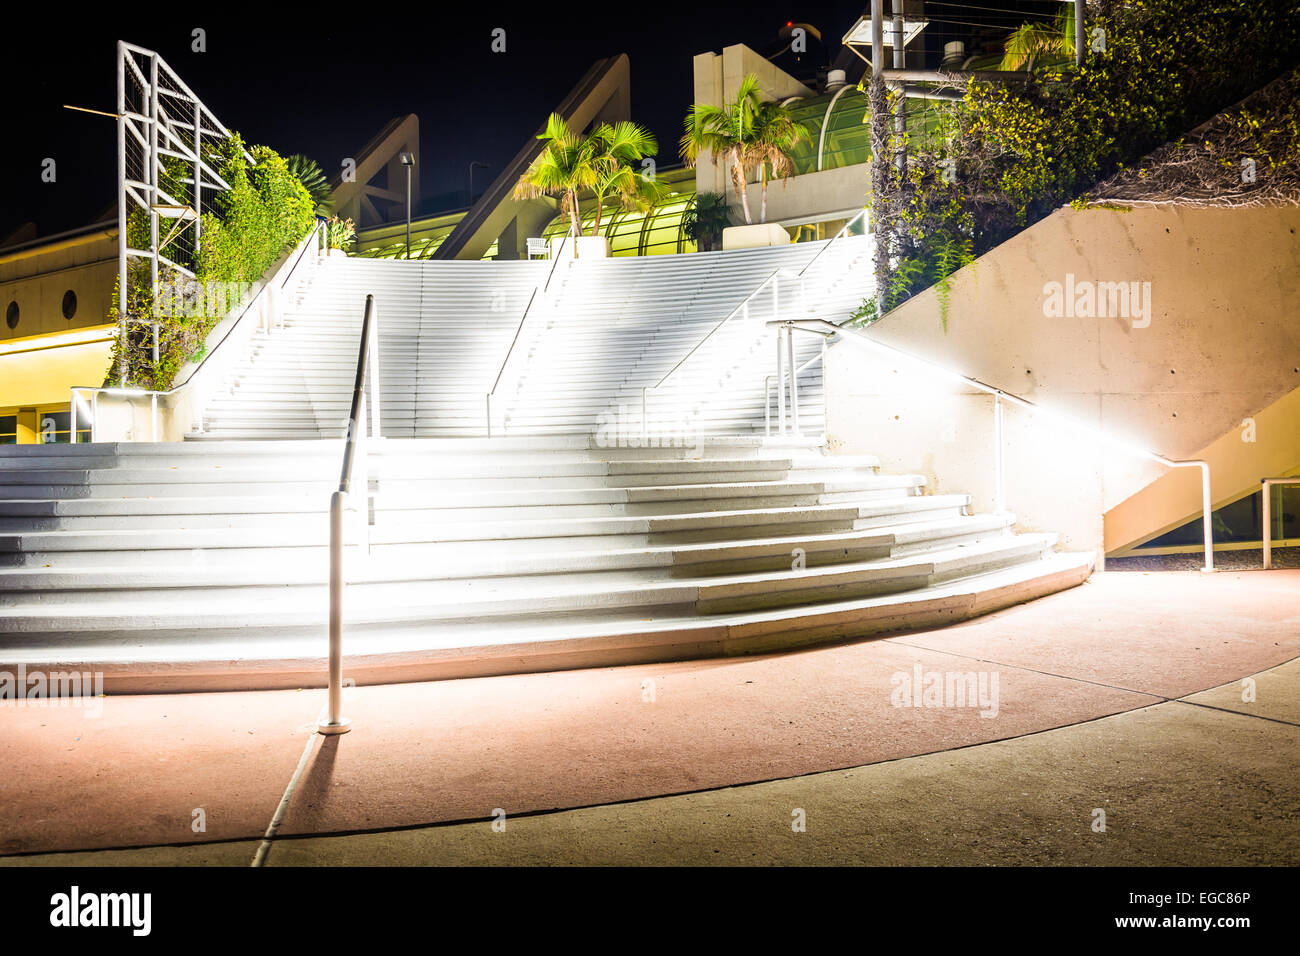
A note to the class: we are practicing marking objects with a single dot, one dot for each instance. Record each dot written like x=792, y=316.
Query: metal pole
x=408, y=212
x=767, y=407
x=877, y=37
x=1078, y=32
x=900, y=103
x=335, y=722
x=153, y=173
x=376, y=420
x=121, y=214
x=780, y=381
x=998, y=498
x=198, y=174
x=487, y=399
x=794, y=379
x=825, y=423
x=1267, y=537
x=1208, y=519
x=879, y=176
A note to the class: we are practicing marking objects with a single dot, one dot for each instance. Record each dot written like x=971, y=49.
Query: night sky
x=324, y=83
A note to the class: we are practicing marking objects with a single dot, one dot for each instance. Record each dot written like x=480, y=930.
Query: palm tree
x=617, y=149
x=1034, y=41
x=310, y=175
x=726, y=131
x=776, y=132
x=565, y=166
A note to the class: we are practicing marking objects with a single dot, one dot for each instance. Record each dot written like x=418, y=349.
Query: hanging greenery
x=266, y=211
x=1008, y=154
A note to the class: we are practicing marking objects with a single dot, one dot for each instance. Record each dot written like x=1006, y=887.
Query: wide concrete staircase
x=566, y=541
x=596, y=333
x=204, y=564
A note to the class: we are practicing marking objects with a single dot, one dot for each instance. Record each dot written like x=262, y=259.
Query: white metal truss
x=159, y=116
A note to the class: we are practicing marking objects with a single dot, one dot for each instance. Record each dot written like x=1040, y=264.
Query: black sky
x=304, y=80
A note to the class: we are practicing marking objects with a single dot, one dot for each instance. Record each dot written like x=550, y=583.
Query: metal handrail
x=743, y=307
x=354, y=447
x=95, y=391
x=821, y=326
x=1266, y=534
x=843, y=231
x=767, y=390
x=543, y=288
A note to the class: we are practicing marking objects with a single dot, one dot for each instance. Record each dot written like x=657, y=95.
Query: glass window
x=69, y=304
x=1238, y=522
x=8, y=429
x=53, y=427
x=11, y=315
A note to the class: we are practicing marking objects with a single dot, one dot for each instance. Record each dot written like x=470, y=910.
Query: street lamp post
x=408, y=160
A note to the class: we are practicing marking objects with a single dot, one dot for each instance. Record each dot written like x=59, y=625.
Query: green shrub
x=265, y=211
x=1009, y=154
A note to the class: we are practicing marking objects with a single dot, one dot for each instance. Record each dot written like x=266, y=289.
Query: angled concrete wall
x=1212, y=337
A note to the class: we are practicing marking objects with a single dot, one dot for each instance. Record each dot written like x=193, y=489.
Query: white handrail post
x=363, y=470
x=94, y=415
x=780, y=381
x=376, y=420
x=335, y=722
x=1266, y=489
x=767, y=407
x=999, y=502
x=487, y=400
x=153, y=416
x=794, y=380
x=1208, y=517
x=72, y=418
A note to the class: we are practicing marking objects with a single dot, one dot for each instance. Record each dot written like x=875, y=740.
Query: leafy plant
x=1033, y=42
x=1006, y=155
x=565, y=167
x=705, y=219
x=266, y=210
x=310, y=175
x=776, y=133
x=727, y=132
x=617, y=151
x=340, y=233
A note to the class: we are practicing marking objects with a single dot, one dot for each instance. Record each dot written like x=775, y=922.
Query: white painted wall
x=1222, y=343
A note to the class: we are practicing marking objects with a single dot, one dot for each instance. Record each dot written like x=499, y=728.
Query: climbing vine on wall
x=265, y=211
x=1008, y=154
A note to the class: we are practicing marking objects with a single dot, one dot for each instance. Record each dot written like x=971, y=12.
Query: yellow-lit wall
x=43, y=374
x=37, y=279
x=46, y=353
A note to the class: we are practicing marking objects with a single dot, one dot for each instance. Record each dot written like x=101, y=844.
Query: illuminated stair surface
x=203, y=565
x=601, y=331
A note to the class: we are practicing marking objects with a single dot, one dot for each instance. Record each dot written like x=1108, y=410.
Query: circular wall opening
x=69, y=304
x=11, y=315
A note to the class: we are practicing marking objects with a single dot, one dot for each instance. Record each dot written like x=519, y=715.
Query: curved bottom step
x=428, y=653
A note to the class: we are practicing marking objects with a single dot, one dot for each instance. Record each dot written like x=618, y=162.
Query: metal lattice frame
x=158, y=115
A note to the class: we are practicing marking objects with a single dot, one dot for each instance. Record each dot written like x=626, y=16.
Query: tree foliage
x=265, y=211
x=1008, y=154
